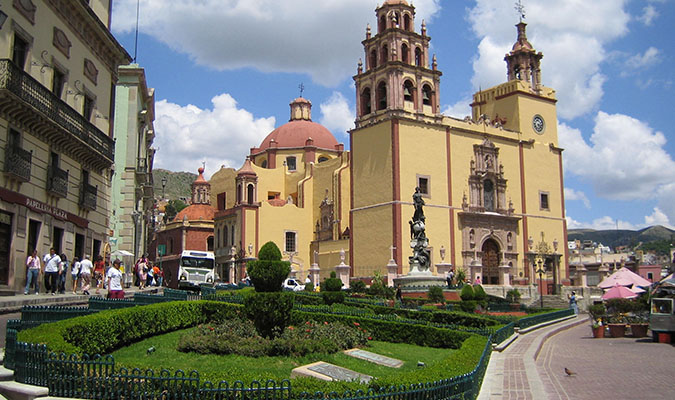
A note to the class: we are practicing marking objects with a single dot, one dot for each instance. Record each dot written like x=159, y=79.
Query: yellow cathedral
x=492, y=182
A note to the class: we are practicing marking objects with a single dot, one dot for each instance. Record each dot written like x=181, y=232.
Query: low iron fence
x=527, y=322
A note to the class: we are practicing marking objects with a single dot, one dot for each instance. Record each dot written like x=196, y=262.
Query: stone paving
x=610, y=368
x=533, y=366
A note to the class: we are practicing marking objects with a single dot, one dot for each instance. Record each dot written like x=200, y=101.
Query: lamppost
x=164, y=180
x=540, y=271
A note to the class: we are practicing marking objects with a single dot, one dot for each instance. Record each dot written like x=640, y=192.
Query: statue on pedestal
x=419, y=261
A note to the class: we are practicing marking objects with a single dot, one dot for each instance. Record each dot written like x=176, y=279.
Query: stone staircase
x=555, y=301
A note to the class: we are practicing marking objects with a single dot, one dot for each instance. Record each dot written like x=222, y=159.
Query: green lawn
x=234, y=367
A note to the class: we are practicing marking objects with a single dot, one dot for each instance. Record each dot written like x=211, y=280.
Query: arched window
x=209, y=243
x=382, y=96
x=232, y=236
x=385, y=54
x=263, y=164
x=373, y=59
x=323, y=159
x=382, y=25
x=426, y=95
x=239, y=194
x=418, y=56
x=365, y=101
x=405, y=53
x=249, y=193
x=226, y=237
x=408, y=91
x=396, y=22
x=406, y=22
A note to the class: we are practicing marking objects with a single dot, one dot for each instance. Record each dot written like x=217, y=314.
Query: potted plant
x=639, y=323
x=617, y=325
x=597, y=313
x=513, y=296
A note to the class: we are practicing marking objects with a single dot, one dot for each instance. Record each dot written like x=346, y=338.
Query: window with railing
x=17, y=160
x=20, y=51
x=88, y=192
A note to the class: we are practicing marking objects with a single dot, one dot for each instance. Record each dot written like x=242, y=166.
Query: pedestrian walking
x=75, y=273
x=399, y=293
x=32, y=272
x=573, y=302
x=99, y=273
x=142, y=273
x=150, y=279
x=52, y=262
x=85, y=274
x=157, y=273
x=114, y=276
x=63, y=268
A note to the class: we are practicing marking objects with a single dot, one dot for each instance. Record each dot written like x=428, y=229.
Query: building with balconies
x=132, y=194
x=58, y=66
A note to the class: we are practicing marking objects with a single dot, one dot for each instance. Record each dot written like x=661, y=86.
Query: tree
x=172, y=208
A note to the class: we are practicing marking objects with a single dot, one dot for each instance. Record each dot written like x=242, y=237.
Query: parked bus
x=195, y=268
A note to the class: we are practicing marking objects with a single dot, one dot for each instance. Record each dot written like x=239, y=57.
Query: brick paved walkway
x=621, y=368
x=625, y=368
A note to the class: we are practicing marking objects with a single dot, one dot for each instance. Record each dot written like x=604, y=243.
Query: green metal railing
x=541, y=318
x=503, y=333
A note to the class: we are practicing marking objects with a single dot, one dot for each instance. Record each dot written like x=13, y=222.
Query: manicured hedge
x=440, y=317
x=106, y=331
x=391, y=331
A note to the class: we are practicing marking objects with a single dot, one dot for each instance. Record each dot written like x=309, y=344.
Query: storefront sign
x=42, y=208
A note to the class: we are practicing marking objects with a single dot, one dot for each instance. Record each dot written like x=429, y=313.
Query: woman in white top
x=115, y=281
x=75, y=273
x=32, y=271
x=85, y=274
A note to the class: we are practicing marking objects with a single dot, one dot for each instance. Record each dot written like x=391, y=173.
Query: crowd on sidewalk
x=85, y=274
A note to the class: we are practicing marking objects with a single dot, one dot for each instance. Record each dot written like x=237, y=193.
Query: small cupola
x=301, y=109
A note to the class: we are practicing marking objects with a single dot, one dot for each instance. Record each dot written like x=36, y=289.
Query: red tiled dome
x=196, y=212
x=296, y=133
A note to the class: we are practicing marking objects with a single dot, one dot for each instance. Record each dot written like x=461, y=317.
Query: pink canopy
x=624, y=277
x=619, y=292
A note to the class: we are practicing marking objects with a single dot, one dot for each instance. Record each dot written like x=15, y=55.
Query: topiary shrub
x=466, y=293
x=468, y=305
x=358, y=287
x=513, y=295
x=331, y=290
x=268, y=272
x=479, y=293
x=269, y=311
x=435, y=294
x=309, y=287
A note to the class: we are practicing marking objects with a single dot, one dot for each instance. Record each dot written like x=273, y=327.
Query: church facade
x=492, y=182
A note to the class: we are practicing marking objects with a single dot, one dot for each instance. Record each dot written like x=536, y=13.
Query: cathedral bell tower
x=396, y=76
x=523, y=62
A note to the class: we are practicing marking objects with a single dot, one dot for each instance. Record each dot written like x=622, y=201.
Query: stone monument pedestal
x=314, y=274
x=419, y=280
x=342, y=272
x=504, y=275
x=443, y=268
x=392, y=272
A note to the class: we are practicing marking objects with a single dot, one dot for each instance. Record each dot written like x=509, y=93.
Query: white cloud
x=624, y=159
x=572, y=195
x=650, y=57
x=336, y=115
x=320, y=38
x=648, y=15
x=569, y=33
x=658, y=217
x=602, y=223
x=460, y=109
x=222, y=135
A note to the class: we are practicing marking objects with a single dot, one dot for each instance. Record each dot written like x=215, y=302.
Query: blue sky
x=224, y=72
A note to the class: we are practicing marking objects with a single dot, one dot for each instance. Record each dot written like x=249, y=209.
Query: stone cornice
x=91, y=31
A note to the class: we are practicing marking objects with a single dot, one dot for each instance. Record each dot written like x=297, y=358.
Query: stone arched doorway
x=490, y=262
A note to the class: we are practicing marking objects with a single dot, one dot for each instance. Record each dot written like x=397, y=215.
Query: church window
x=426, y=95
x=405, y=53
x=250, y=194
x=543, y=201
x=290, y=163
x=385, y=54
x=408, y=91
x=290, y=242
x=382, y=96
x=382, y=25
x=209, y=243
x=424, y=183
x=365, y=102
x=263, y=164
x=418, y=56
x=406, y=22
x=239, y=194
x=232, y=236
x=488, y=195
x=226, y=237
x=323, y=159
x=373, y=59
x=396, y=21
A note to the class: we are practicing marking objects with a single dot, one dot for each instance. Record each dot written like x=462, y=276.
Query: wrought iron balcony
x=18, y=162
x=57, y=181
x=88, y=195
x=25, y=100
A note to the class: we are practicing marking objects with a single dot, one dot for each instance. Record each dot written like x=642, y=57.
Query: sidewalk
x=513, y=374
x=11, y=304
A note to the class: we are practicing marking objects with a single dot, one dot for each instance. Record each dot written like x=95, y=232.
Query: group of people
x=146, y=274
x=84, y=273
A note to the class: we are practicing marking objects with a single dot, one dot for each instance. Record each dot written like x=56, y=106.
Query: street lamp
x=164, y=180
x=540, y=271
